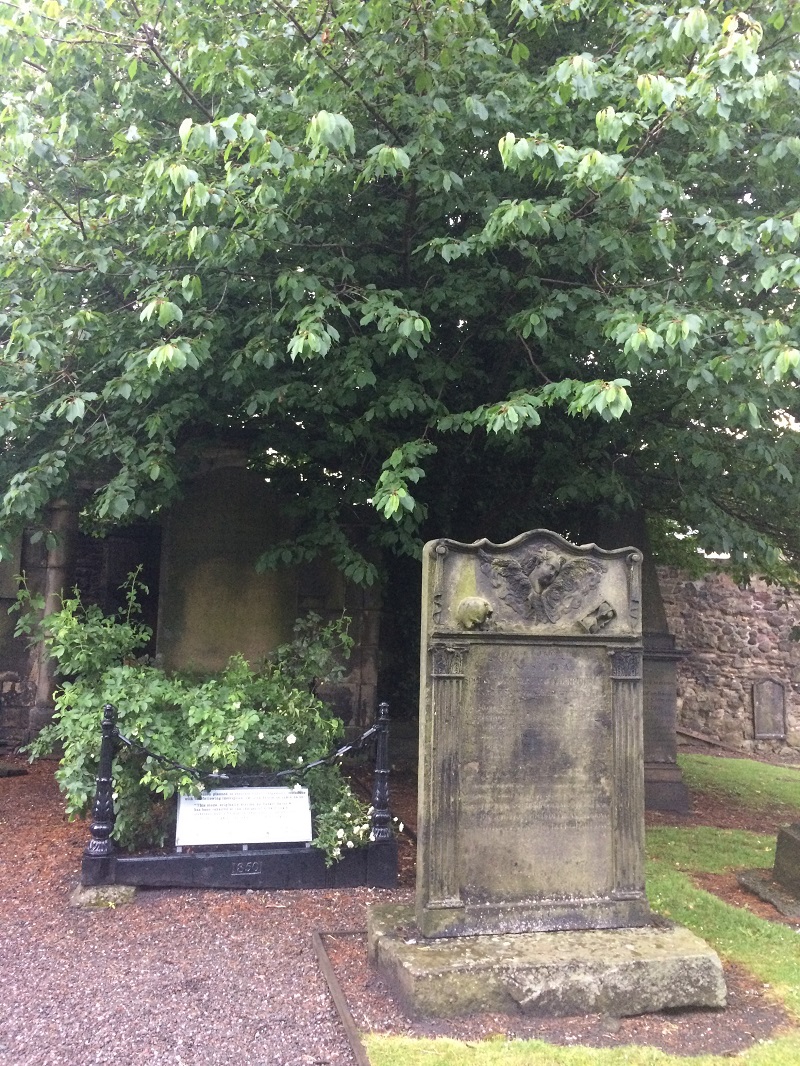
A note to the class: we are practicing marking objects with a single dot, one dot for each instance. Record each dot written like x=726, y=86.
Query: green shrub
x=254, y=720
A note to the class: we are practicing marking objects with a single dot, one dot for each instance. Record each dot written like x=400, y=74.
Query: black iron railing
x=102, y=824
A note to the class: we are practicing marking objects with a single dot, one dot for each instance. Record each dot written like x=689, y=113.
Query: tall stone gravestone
x=531, y=796
x=531, y=738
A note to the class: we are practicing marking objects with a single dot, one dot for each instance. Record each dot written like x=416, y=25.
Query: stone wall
x=739, y=678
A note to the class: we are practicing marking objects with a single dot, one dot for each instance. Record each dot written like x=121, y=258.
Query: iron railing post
x=381, y=818
x=102, y=825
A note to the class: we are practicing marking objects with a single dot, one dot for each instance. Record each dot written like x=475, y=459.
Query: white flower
x=260, y=736
x=299, y=760
x=230, y=738
x=350, y=844
x=340, y=833
x=401, y=827
x=291, y=739
x=236, y=705
x=372, y=836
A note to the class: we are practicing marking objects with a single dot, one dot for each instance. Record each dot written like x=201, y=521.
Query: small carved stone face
x=473, y=611
x=545, y=570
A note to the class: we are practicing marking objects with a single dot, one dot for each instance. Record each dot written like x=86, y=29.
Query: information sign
x=244, y=816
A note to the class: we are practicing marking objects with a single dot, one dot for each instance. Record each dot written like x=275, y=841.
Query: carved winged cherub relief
x=545, y=586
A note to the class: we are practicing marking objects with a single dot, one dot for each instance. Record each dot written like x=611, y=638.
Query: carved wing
x=511, y=581
x=571, y=588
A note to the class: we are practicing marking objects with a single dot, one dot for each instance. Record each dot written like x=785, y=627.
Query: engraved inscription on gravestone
x=769, y=710
x=531, y=782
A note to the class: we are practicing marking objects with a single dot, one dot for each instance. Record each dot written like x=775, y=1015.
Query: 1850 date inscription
x=242, y=869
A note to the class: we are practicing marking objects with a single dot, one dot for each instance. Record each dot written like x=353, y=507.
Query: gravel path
x=177, y=977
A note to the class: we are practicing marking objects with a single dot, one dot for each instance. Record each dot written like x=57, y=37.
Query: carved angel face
x=545, y=570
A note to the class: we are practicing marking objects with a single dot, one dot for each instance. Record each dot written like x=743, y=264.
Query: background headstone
x=769, y=709
x=664, y=788
x=787, y=859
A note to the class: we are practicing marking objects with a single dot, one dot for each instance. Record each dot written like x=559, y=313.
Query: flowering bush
x=251, y=720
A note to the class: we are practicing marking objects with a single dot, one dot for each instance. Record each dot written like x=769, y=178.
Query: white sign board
x=244, y=816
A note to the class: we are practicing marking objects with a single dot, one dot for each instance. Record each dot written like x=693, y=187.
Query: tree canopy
x=439, y=266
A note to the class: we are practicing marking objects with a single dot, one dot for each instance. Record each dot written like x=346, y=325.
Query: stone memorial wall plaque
x=244, y=816
x=769, y=710
x=531, y=767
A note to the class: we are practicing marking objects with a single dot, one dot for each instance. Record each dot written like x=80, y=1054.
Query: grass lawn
x=770, y=951
x=402, y=1051
x=748, y=783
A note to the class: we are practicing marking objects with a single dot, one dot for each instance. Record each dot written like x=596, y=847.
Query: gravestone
x=664, y=788
x=769, y=710
x=781, y=885
x=787, y=859
x=530, y=863
x=531, y=738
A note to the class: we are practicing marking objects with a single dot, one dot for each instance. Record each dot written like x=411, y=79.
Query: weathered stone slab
x=769, y=710
x=781, y=885
x=762, y=884
x=99, y=897
x=531, y=774
x=613, y=971
x=787, y=859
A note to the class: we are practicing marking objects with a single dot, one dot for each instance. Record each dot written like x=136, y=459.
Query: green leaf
x=76, y=408
x=184, y=132
x=168, y=312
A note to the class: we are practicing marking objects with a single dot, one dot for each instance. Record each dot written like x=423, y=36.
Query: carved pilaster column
x=626, y=675
x=440, y=864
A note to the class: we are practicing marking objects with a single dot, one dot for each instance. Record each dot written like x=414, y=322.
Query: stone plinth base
x=664, y=789
x=610, y=971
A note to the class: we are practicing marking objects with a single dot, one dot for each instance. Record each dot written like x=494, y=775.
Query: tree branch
x=78, y=222
x=287, y=14
x=532, y=361
x=149, y=38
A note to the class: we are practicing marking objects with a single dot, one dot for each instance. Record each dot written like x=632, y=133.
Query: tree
x=441, y=266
